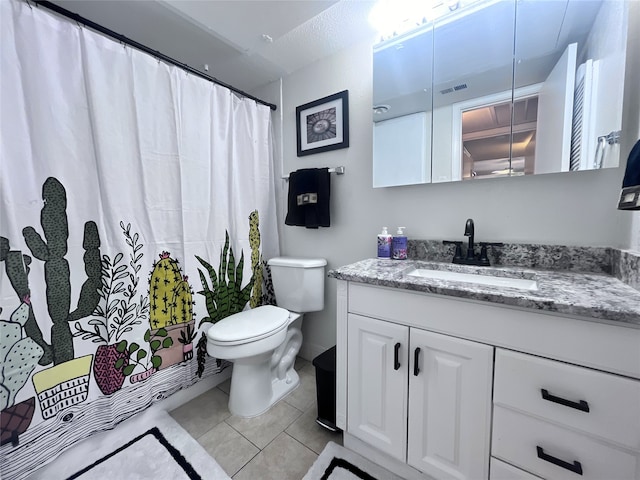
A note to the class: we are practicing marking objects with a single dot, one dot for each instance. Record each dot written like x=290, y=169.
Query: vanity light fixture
x=392, y=18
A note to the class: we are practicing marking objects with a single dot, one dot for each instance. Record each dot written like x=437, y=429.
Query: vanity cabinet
x=563, y=421
x=493, y=392
x=421, y=397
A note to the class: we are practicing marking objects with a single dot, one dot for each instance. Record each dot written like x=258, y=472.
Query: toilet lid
x=249, y=325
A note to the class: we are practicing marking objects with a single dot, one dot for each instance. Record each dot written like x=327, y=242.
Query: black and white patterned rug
x=149, y=455
x=338, y=463
x=149, y=446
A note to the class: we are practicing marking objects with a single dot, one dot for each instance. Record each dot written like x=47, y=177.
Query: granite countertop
x=594, y=296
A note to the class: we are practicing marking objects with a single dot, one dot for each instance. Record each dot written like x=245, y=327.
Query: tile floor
x=281, y=444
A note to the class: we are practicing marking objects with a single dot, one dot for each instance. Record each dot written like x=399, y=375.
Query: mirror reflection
x=501, y=88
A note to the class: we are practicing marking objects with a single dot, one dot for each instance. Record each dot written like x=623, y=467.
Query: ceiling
x=247, y=44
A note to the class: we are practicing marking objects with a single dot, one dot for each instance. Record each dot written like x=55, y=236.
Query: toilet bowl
x=262, y=343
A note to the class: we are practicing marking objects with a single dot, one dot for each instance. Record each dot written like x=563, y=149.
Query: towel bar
x=336, y=170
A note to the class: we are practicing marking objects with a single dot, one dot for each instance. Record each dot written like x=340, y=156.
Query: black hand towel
x=308, y=201
x=630, y=195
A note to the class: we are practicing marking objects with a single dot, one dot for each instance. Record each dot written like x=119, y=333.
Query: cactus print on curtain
x=131, y=193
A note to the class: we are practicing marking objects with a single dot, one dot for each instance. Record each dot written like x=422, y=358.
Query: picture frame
x=323, y=125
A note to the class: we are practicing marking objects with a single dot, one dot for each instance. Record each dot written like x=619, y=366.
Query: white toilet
x=263, y=342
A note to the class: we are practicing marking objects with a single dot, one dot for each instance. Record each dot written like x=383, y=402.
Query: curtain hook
x=29, y=4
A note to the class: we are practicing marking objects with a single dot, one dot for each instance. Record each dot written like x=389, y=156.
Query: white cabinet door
x=449, y=406
x=377, y=378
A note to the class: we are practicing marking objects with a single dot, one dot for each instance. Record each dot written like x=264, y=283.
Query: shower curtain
x=137, y=207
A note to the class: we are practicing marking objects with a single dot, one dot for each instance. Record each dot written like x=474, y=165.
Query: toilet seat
x=249, y=326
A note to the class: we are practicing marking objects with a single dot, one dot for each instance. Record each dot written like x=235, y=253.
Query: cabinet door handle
x=575, y=467
x=579, y=405
x=416, y=357
x=396, y=356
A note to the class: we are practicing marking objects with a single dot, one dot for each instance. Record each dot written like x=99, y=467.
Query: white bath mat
x=130, y=451
x=149, y=455
x=338, y=463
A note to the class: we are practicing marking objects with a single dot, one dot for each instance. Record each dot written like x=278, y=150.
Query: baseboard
x=183, y=396
x=309, y=351
x=382, y=459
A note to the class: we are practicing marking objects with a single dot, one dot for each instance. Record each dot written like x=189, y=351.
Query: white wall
x=576, y=208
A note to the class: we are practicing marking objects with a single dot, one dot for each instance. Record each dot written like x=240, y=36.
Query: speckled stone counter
x=596, y=296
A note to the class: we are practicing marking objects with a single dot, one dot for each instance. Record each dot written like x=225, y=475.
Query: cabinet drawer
x=597, y=403
x=504, y=471
x=553, y=452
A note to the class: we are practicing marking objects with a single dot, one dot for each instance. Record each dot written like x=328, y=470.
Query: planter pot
x=174, y=354
x=139, y=377
x=62, y=386
x=108, y=378
x=187, y=351
x=15, y=420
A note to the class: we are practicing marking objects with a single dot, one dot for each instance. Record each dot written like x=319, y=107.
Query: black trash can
x=325, y=364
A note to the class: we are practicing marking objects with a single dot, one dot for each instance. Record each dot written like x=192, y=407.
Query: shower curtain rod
x=139, y=46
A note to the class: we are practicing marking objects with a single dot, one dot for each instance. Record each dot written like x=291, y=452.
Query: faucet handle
x=483, y=260
x=491, y=244
x=457, y=256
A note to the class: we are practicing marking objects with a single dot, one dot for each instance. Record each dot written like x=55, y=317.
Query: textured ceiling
x=228, y=36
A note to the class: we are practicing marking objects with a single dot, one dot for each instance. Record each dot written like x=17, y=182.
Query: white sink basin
x=478, y=279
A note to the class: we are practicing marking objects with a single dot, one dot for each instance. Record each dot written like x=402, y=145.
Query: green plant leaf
x=155, y=345
x=141, y=354
x=122, y=346
x=156, y=361
x=240, y=269
x=167, y=342
x=147, y=336
x=162, y=332
x=119, y=363
x=203, y=281
x=128, y=370
x=205, y=320
x=210, y=303
x=210, y=270
x=133, y=347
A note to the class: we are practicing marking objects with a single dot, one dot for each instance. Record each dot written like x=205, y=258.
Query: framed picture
x=323, y=125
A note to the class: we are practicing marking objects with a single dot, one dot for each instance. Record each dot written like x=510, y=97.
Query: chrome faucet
x=469, y=231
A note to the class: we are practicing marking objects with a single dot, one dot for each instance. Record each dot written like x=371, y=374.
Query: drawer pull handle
x=575, y=467
x=416, y=358
x=580, y=405
x=396, y=356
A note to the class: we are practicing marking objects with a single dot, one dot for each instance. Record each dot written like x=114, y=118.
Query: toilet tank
x=298, y=283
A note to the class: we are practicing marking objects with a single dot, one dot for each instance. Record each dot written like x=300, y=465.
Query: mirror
x=402, y=82
x=501, y=88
